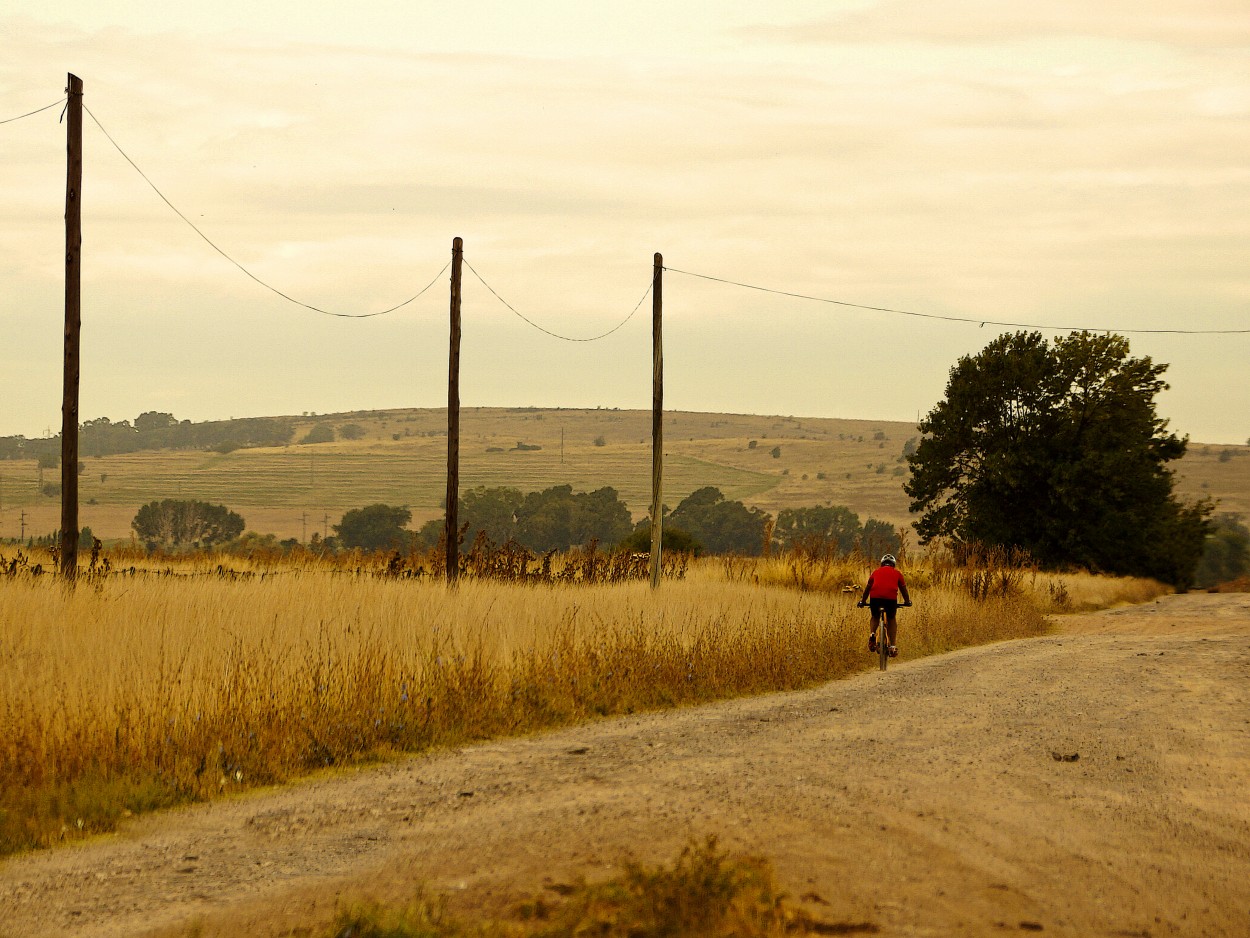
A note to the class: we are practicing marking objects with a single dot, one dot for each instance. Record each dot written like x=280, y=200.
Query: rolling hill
x=400, y=458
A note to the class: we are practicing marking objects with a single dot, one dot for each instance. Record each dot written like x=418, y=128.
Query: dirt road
x=1094, y=782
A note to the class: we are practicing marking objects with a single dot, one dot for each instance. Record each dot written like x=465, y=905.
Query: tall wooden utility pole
x=73, y=323
x=451, y=527
x=657, y=418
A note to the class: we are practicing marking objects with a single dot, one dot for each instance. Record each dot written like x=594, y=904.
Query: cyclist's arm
x=867, y=589
x=902, y=588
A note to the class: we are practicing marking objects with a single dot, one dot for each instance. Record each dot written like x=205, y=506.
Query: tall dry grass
x=706, y=892
x=981, y=575
x=138, y=690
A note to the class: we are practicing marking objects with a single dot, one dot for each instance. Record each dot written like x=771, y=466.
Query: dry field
x=296, y=490
x=183, y=682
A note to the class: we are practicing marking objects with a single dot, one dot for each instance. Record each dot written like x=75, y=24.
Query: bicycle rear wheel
x=883, y=642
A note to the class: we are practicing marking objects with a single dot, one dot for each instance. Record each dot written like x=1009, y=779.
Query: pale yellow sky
x=1060, y=166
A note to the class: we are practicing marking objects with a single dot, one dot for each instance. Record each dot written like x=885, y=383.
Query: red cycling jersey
x=884, y=583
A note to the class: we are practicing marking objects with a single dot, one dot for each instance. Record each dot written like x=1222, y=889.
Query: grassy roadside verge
x=138, y=693
x=704, y=892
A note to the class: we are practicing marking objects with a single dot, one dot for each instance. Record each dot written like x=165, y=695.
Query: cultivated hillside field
x=299, y=489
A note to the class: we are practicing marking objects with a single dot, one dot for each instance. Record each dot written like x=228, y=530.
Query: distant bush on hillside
x=321, y=433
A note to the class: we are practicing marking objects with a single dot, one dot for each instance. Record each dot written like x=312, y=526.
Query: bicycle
x=882, y=634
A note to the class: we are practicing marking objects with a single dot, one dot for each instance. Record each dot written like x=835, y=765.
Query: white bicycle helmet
x=889, y=560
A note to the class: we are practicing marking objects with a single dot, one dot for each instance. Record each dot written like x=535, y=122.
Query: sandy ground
x=1094, y=782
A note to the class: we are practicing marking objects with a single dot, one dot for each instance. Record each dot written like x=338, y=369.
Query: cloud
x=1205, y=24
x=1042, y=179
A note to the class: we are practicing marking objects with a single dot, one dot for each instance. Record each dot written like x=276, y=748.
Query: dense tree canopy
x=671, y=539
x=822, y=527
x=825, y=524
x=186, y=522
x=1226, y=554
x=1057, y=448
x=490, y=510
x=722, y=527
x=153, y=420
x=554, y=519
x=374, y=527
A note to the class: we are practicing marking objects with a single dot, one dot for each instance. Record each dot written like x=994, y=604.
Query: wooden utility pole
x=451, y=527
x=73, y=323
x=657, y=418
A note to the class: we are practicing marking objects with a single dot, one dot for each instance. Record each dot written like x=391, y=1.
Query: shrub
x=321, y=433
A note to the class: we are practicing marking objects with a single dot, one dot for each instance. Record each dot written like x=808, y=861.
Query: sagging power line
x=556, y=335
x=964, y=319
x=971, y=320
x=215, y=247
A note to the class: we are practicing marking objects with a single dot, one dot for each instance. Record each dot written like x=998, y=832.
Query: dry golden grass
x=998, y=575
x=706, y=892
x=141, y=690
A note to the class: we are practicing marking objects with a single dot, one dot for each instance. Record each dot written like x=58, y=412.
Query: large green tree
x=492, y=510
x=722, y=527
x=1057, y=448
x=557, y=518
x=834, y=524
x=374, y=527
x=175, y=522
x=1226, y=554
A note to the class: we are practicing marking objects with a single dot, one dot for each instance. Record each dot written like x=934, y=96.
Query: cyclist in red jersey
x=881, y=595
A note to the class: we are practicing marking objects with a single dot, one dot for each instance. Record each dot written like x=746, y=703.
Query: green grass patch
x=92, y=803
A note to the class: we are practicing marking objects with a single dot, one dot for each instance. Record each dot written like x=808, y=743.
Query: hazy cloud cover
x=1219, y=24
x=1062, y=164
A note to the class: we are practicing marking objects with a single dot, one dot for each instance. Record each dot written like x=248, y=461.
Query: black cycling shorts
x=878, y=605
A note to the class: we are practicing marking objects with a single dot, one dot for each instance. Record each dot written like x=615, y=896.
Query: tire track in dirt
x=951, y=775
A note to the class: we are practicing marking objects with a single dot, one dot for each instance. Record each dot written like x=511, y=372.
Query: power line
x=210, y=243
x=967, y=319
x=557, y=335
x=9, y=120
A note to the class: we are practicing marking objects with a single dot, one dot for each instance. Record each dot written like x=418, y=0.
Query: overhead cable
x=9, y=120
x=967, y=319
x=556, y=335
x=210, y=243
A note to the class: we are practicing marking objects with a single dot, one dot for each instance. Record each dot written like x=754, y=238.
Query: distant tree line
x=154, y=430
x=557, y=518
x=554, y=519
